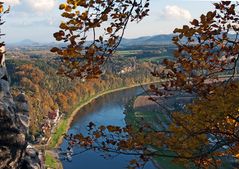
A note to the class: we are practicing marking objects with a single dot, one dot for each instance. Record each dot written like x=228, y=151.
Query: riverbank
x=65, y=123
x=143, y=108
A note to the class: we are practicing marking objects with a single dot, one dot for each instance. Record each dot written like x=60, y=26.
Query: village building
x=54, y=116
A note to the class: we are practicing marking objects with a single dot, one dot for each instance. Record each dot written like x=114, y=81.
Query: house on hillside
x=120, y=65
x=126, y=70
x=54, y=116
x=128, y=67
x=46, y=127
x=46, y=130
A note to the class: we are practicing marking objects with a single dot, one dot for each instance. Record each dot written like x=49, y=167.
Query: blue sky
x=39, y=19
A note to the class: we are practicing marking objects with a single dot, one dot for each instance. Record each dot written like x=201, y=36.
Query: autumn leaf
x=62, y=6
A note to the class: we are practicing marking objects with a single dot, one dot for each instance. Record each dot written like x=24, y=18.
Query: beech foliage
x=207, y=132
x=92, y=30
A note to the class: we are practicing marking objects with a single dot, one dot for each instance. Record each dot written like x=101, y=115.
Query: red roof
x=52, y=115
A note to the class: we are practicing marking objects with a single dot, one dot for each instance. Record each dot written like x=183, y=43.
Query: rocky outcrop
x=14, y=123
x=12, y=139
x=22, y=110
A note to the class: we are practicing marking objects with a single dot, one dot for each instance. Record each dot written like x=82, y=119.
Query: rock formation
x=14, y=123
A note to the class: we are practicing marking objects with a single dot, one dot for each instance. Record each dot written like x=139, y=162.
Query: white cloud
x=175, y=12
x=38, y=6
x=41, y=6
x=11, y=2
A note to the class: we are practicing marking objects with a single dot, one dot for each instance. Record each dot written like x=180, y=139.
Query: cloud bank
x=41, y=5
x=175, y=12
x=12, y=2
x=38, y=6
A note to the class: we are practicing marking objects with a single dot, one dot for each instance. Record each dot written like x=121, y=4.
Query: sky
x=37, y=20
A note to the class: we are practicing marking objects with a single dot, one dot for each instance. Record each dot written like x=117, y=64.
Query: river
x=105, y=110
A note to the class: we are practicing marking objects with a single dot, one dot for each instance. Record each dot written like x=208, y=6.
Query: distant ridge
x=148, y=40
x=162, y=39
x=144, y=40
x=25, y=42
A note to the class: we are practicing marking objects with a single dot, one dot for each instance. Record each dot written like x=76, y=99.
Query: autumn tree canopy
x=92, y=31
x=207, y=50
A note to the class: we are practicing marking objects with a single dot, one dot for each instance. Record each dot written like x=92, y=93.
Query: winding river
x=106, y=110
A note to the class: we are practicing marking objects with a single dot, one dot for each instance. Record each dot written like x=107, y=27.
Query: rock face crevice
x=15, y=153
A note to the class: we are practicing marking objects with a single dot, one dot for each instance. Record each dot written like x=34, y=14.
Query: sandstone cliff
x=14, y=123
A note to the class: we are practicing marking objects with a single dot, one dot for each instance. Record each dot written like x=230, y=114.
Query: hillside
x=148, y=40
x=163, y=39
x=47, y=91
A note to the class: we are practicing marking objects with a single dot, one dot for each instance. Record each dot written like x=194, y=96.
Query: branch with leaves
x=93, y=30
x=206, y=49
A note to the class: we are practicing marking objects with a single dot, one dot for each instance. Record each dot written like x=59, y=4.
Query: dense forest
x=46, y=91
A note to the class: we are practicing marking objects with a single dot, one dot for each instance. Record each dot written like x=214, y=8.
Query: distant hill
x=144, y=40
x=148, y=40
x=29, y=44
x=25, y=42
x=163, y=39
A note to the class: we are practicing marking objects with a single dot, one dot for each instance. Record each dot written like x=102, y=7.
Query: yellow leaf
x=62, y=6
x=84, y=15
x=63, y=26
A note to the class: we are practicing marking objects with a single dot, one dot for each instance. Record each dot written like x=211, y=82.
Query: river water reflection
x=106, y=110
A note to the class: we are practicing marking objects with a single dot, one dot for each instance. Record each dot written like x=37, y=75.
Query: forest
x=47, y=91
